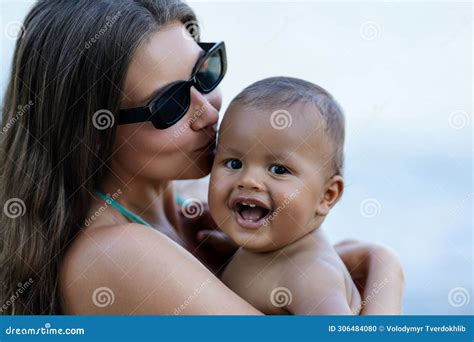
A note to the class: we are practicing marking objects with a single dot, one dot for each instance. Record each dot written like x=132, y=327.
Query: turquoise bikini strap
x=180, y=200
x=121, y=209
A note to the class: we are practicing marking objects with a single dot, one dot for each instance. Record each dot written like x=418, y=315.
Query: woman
x=88, y=69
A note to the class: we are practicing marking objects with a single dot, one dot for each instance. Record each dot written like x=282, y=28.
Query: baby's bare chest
x=256, y=277
x=270, y=281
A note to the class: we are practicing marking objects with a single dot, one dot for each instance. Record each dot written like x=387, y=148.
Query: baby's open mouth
x=250, y=213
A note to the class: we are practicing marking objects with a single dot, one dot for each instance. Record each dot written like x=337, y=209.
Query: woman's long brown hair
x=69, y=63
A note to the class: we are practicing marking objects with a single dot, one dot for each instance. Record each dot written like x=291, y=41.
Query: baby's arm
x=320, y=291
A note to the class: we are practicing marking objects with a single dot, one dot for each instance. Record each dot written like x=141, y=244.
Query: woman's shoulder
x=110, y=263
x=128, y=269
x=106, y=240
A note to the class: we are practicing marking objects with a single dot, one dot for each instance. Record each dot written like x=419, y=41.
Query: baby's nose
x=249, y=181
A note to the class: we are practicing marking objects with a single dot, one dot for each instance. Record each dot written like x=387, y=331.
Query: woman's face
x=173, y=153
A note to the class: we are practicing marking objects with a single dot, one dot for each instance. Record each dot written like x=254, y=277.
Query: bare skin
x=288, y=188
x=155, y=271
x=308, y=275
x=148, y=271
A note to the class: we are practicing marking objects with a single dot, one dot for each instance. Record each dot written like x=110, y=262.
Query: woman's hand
x=377, y=273
x=206, y=241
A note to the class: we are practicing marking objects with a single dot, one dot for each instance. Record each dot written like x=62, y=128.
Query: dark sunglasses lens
x=171, y=106
x=209, y=74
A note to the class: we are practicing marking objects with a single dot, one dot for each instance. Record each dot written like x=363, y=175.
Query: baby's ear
x=333, y=191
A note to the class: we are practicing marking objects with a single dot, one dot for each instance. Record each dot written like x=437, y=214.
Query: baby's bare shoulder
x=318, y=265
x=320, y=281
x=313, y=251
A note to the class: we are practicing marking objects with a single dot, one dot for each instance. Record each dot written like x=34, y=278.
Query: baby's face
x=266, y=182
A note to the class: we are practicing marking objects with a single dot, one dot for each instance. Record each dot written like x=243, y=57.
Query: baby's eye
x=279, y=169
x=233, y=164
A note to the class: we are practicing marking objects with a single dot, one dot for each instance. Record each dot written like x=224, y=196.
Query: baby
x=276, y=175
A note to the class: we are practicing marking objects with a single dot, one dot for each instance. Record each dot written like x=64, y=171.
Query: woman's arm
x=145, y=273
x=378, y=274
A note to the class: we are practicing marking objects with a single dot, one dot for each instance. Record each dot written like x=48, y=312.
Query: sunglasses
x=172, y=102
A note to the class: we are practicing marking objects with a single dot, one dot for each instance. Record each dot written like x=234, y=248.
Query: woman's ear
x=333, y=190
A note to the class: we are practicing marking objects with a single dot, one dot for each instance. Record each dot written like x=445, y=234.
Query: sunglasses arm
x=134, y=115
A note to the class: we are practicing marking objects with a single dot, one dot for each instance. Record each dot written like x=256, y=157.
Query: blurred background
x=403, y=73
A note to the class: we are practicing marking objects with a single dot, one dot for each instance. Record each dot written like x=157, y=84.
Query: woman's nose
x=215, y=98
x=205, y=109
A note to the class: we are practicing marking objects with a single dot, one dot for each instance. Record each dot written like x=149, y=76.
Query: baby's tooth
x=252, y=205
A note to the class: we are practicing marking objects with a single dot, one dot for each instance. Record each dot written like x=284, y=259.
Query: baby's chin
x=260, y=248
x=258, y=241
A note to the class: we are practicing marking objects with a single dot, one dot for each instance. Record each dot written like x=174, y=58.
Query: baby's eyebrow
x=281, y=156
x=231, y=150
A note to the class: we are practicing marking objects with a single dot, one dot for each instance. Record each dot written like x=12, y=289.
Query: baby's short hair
x=277, y=92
